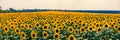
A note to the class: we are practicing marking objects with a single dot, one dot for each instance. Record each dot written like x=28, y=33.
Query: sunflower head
x=106, y=37
x=46, y=27
x=70, y=29
x=57, y=30
x=99, y=29
x=90, y=28
x=56, y=36
x=17, y=30
x=76, y=31
x=33, y=34
x=82, y=29
x=71, y=37
x=106, y=26
x=6, y=29
x=22, y=26
x=45, y=35
x=118, y=29
x=23, y=35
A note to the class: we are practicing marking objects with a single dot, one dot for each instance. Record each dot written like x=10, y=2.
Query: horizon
x=61, y=4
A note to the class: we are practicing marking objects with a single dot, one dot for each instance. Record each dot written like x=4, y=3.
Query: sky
x=62, y=4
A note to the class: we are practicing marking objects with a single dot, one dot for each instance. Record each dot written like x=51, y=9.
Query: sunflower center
x=5, y=28
x=45, y=27
x=79, y=21
x=76, y=31
x=119, y=28
x=33, y=35
x=71, y=38
x=82, y=30
x=83, y=24
x=22, y=26
x=75, y=25
x=30, y=26
x=23, y=35
x=99, y=29
x=54, y=26
x=112, y=25
x=116, y=26
x=106, y=25
x=45, y=34
x=70, y=29
x=56, y=36
x=17, y=30
x=90, y=28
x=57, y=31
x=37, y=24
x=97, y=25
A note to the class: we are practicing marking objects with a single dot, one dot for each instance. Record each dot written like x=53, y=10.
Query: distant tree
x=0, y=8
x=12, y=10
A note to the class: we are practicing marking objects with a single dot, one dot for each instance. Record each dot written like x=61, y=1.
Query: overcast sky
x=62, y=4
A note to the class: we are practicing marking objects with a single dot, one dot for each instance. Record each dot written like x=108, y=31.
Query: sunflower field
x=56, y=25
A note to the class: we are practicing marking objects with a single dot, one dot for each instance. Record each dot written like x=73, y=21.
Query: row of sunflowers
x=59, y=26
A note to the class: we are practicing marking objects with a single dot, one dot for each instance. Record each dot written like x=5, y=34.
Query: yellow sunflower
x=106, y=26
x=45, y=27
x=56, y=36
x=6, y=29
x=17, y=30
x=98, y=29
x=90, y=28
x=106, y=37
x=82, y=29
x=23, y=35
x=118, y=29
x=71, y=37
x=70, y=29
x=75, y=26
x=22, y=26
x=45, y=35
x=57, y=30
x=12, y=27
x=76, y=31
x=33, y=34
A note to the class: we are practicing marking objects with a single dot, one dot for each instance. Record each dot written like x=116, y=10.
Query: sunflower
x=64, y=28
x=30, y=27
x=17, y=30
x=76, y=31
x=54, y=26
x=60, y=27
x=97, y=25
x=57, y=30
x=22, y=26
x=82, y=29
x=68, y=21
x=70, y=29
x=45, y=27
x=99, y=29
x=45, y=35
x=56, y=36
x=75, y=26
x=106, y=37
x=71, y=37
x=116, y=26
x=106, y=26
x=90, y=28
x=33, y=34
x=118, y=29
x=6, y=29
x=12, y=27
x=37, y=25
x=84, y=24
x=23, y=35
